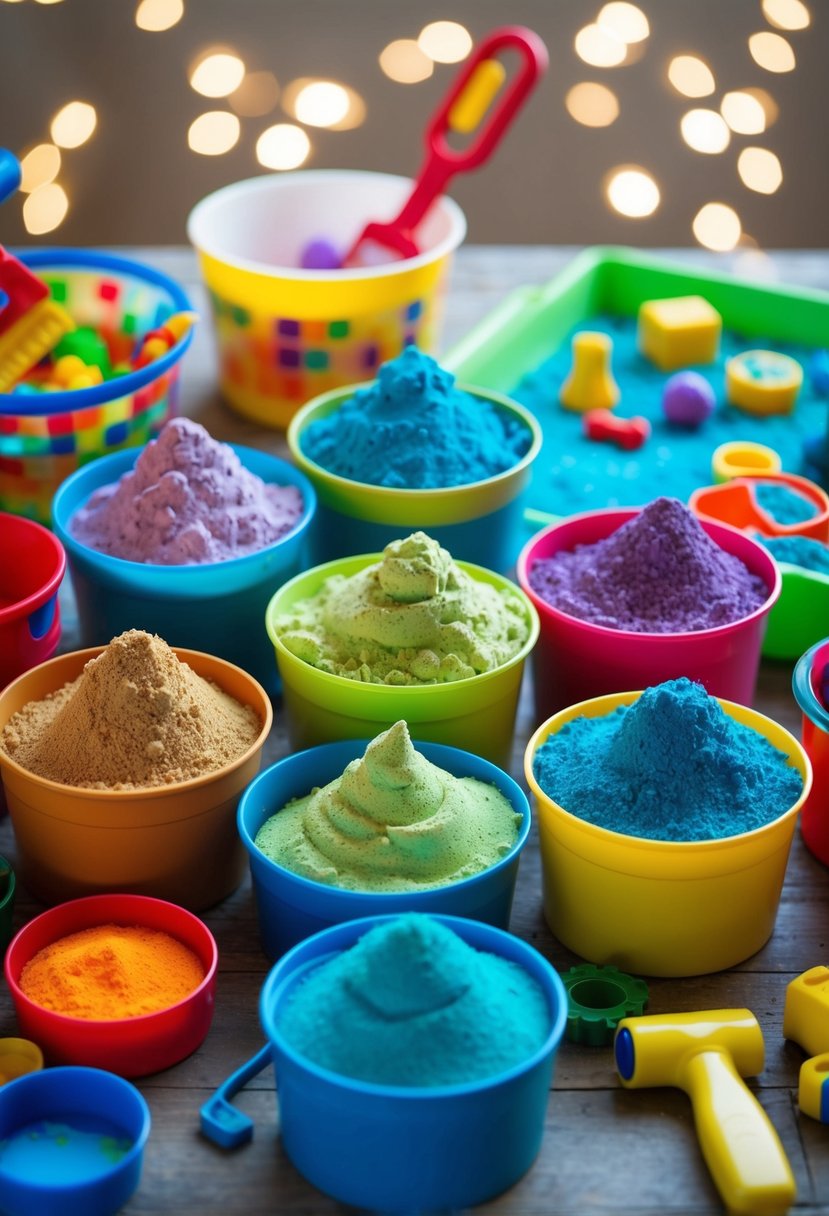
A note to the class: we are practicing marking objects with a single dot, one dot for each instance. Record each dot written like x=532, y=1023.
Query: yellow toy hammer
x=707, y=1054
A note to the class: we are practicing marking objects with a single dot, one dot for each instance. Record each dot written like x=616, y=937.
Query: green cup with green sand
x=7, y=885
x=476, y=714
x=477, y=522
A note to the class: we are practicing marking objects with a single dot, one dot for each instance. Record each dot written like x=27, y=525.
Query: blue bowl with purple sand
x=394, y=1147
x=71, y=1143
x=292, y=908
x=216, y=607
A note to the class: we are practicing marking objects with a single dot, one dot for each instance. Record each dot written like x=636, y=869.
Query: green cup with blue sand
x=451, y=459
x=417, y=1146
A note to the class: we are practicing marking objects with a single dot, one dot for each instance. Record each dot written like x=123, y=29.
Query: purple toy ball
x=688, y=399
x=320, y=254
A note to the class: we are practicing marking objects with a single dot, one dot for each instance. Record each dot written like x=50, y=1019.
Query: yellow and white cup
x=285, y=334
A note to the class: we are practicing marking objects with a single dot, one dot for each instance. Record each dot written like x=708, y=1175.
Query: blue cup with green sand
x=413, y=1148
x=216, y=607
x=291, y=907
x=71, y=1141
x=479, y=521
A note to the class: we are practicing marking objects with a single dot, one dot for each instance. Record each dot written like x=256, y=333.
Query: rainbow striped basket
x=46, y=436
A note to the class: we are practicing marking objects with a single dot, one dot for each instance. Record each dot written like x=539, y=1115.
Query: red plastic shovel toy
x=463, y=111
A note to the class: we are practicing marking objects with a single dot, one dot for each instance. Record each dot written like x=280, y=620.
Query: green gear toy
x=597, y=1000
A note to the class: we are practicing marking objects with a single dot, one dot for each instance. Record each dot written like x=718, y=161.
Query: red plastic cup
x=32, y=564
x=806, y=681
x=130, y=1047
x=575, y=660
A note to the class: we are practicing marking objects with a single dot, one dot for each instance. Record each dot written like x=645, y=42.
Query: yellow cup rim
x=259, y=701
x=605, y=837
x=271, y=181
x=401, y=494
x=416, y=690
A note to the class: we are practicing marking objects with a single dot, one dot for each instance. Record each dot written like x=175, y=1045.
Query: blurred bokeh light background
x=666, y=122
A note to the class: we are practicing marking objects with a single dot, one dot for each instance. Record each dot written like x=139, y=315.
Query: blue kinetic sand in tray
x=523, y=349
x=578, y=474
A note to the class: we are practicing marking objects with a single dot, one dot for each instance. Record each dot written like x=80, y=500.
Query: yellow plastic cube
x=678, y=332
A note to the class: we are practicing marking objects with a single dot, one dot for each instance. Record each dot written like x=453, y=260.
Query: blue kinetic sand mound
x=576, y=474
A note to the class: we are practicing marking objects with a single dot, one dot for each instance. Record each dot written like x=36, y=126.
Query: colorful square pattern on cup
x=276, y=363
x=37, y=451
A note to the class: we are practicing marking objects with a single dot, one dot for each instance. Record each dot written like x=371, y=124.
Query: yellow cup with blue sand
x=662, y=907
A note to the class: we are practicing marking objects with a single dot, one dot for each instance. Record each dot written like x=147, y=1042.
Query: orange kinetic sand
x=135, y=717
x=110, y=972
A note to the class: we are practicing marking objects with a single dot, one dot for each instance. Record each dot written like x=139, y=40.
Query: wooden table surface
x=605, y=1150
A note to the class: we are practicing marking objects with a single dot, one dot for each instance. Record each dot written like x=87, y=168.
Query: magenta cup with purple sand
x=576, y=659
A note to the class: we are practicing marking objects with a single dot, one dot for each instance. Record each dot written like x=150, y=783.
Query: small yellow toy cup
x=476, y=714
x=664, y=908
x=174, y=842
x=285, y=334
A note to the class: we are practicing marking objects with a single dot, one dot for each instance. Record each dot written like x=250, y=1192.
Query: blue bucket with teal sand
x=216, y=607
x=396, y=1148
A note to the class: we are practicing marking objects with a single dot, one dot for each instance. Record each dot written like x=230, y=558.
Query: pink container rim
x=537, y=547
x=24, y=607
x=104, y=903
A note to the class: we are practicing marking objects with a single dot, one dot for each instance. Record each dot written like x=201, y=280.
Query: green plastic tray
x=530, y=323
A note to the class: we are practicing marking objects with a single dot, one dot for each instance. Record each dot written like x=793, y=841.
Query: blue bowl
x=392, y=1148
x=216, y=607
x=292, y=908
x=93, y=1174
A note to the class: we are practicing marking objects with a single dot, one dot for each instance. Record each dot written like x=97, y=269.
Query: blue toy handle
x=223, y=1123
x=10, y=176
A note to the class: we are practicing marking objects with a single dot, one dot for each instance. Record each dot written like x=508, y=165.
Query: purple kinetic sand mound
x=659, y=573
x=188, y=501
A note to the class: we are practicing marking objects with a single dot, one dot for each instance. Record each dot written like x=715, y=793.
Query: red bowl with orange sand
x=130, y=1047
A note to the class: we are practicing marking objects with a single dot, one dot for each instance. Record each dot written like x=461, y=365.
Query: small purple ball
x=688, y=399
x=320, y=254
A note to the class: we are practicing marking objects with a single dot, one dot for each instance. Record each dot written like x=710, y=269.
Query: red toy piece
x=20, y=290
x=604, y=426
